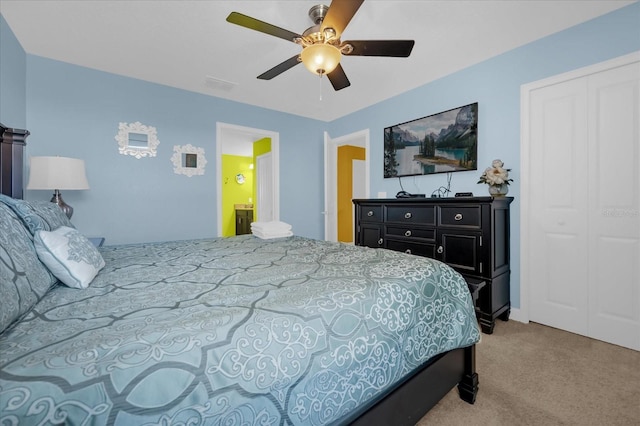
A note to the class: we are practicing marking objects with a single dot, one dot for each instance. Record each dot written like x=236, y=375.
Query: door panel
x=330, y=189
x=358, y=190
x=558, y=203
x=614, y=206
x=461, y=251
x=561, y=300
x=264, y=190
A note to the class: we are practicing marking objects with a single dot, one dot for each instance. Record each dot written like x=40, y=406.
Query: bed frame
x=405, y=404
x=413, y=398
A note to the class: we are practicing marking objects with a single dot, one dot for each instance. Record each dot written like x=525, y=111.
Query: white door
x=264, y=189
x=581, y=263
x=358, y=187
x=559, y=202
x=330, y=212
x=330, y=189
x=614, y=206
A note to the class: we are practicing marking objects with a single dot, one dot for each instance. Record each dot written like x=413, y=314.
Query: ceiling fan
x=322, y=48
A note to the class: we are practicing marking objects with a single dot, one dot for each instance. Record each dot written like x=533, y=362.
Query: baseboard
x=517, y=315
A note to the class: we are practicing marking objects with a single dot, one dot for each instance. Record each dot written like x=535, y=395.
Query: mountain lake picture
x=439, y=143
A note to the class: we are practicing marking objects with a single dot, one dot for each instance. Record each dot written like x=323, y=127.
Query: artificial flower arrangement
x=496, y=175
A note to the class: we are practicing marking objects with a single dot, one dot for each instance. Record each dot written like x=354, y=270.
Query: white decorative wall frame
x=137, y=139
x=188, y=160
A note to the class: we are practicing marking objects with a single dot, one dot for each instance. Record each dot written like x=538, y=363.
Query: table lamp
x=57, y=173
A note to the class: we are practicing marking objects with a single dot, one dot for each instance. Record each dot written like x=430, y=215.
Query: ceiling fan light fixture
x=321, y=46
x=321, y=58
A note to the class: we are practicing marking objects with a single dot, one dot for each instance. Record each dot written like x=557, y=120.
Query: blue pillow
x=24, y=280
x=38, y=215
x=69, y=255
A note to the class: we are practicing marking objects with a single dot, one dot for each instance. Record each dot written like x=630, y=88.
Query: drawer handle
x=408, y=251
x=380, y=242
x=440, y=249
x=408, y=233
x=458, y=216
x=407, y=215
x=370, y=213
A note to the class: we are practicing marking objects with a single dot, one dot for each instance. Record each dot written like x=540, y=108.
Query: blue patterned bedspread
x=230, y=331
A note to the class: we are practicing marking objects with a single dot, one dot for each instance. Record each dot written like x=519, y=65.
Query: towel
x=271, y=235
x=272, y=229
x=272, y=226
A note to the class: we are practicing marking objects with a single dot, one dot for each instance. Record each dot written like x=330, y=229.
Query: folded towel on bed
x=272, y=226
x=271, y=235
x=272, y=229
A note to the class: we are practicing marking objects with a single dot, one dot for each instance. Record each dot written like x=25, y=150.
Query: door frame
x=331, y=172
x=264, y=192
x=246, y=135
x=525, y=149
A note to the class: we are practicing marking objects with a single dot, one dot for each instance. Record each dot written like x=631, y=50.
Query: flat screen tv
x=439, y=143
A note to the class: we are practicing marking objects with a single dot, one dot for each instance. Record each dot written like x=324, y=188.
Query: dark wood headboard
x=12, y=147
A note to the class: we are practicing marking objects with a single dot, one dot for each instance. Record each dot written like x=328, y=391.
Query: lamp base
x=66, y=208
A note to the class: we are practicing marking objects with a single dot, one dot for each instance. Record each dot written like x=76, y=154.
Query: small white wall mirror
x=188, y=160
x=137, y=140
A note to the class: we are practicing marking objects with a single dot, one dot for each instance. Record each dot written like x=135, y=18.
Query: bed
x=240, y=330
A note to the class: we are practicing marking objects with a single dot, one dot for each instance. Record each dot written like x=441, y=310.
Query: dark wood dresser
x=471, y=234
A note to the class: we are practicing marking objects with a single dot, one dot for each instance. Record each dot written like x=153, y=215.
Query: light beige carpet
x=531, y=374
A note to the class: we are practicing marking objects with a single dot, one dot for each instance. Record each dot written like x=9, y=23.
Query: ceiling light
x=321, y=58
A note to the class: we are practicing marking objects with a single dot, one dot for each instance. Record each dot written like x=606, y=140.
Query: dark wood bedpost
x=12, y=143
x=468, y=386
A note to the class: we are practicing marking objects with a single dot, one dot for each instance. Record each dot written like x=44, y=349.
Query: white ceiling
x=180, y=43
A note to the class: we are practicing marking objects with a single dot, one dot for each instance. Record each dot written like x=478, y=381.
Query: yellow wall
x=346, y=155
x=233, y=192
x=260, y=147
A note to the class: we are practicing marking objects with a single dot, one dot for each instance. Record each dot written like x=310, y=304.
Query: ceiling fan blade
x=263, y=27
x=396, y=48
x=280, y=68
x=338, y=78
x=340, y=14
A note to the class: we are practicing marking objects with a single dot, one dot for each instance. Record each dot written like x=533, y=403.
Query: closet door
x=558, y=194
x=584, y=220
x=614, y=206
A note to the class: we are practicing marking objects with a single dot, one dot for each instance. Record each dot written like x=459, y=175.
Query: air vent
x=218, y=83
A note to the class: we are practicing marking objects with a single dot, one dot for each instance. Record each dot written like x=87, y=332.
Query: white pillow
x=69, y=255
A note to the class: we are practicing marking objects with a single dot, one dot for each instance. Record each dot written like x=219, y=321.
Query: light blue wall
x=75, y=111
x=495, y=85
x=13, y=83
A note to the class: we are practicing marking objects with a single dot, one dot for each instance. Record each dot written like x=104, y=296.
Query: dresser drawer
x=412, y=214
x=411, y=232
x=467, y=216
x=370, y=213
x=419, y=249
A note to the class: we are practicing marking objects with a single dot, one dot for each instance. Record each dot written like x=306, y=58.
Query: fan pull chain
x=320, y=86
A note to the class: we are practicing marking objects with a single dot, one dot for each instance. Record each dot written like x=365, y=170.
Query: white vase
x=498, y=190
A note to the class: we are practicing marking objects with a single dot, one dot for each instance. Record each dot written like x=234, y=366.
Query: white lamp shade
x=57, y=173
x=321, y=58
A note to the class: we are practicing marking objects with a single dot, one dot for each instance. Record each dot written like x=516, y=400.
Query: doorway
x=357, y=186
x=267, y=185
